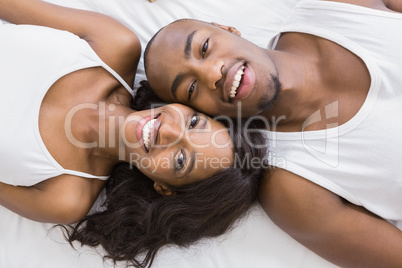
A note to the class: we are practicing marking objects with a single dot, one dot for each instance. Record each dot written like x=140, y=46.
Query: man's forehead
x=186, y=26
x=168, y=47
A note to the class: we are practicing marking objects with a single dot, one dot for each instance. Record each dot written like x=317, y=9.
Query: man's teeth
x=146, y=132
x=236, y=82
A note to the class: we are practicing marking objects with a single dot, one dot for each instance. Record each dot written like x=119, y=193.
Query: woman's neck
x=110, y=146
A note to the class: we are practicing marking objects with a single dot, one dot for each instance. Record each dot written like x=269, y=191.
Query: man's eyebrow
x=180, y=76
x=187, y=47
x=176, y=83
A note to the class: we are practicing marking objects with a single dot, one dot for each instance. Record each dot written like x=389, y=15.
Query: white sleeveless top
x=32, y=59
x=360, y=160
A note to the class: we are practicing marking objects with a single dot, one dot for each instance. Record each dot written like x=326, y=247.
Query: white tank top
x=32, y=59
x=360, y=160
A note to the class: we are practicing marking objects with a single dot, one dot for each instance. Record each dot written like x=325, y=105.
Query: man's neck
x=315, y=73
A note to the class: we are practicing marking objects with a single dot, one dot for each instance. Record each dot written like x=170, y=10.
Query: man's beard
x=267, y=102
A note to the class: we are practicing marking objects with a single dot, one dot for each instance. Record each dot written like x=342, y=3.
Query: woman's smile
x=147, y=130
x=175, y=136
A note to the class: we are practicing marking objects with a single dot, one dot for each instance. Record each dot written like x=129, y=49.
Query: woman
x=139, y=220
x=59, y=148
x=85, y=123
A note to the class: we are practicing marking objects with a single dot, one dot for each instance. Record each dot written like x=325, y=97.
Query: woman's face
x=175, y=145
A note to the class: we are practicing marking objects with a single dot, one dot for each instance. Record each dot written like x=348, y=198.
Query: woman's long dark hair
x=138, y=221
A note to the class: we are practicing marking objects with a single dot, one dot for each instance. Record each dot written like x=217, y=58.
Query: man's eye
x=180, y=161
x=194, y=121
x=205, y=48
x=191, y=90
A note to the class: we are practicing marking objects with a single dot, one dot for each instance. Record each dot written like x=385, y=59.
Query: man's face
x=210, y=69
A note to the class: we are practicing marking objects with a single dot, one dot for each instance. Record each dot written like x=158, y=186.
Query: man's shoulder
x=375, y=4
x=290, y=199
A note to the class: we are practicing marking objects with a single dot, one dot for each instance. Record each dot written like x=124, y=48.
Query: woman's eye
x=194, y=121
x=205, y=48
x=180, y=161
x=191, y=90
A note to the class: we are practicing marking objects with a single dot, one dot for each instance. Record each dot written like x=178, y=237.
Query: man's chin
x=267, y=102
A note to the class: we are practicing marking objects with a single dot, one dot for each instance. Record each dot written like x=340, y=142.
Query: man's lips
x=239, y=87
x=230, y=77
x=246, y=84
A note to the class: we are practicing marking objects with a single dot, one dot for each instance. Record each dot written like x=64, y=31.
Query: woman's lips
x=140, y=128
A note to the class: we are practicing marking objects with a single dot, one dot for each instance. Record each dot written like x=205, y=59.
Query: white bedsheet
x=255, y=242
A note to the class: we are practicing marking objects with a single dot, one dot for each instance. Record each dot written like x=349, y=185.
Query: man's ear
x=230, y=29
x=163, y=190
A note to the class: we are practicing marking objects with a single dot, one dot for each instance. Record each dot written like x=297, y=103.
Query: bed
x=255, y=241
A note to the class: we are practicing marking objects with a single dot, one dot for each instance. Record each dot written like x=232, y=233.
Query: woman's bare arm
x=64, y=199
x=338, y=231
x=115, y=44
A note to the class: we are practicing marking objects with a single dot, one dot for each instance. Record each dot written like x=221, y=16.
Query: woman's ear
x=163, y=190
x=230, y=29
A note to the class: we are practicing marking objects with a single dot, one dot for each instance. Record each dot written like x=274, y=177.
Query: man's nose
x=211, y=72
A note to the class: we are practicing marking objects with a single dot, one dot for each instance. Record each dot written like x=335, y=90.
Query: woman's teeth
x=146, y=132
x=236, y=82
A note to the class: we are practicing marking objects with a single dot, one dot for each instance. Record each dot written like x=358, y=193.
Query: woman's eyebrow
x=190, y=164
x=205, y=122
x=193, y=155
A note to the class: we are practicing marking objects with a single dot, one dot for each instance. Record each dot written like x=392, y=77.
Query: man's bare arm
x=342, y=233
x=385, y=5
x=395, y=5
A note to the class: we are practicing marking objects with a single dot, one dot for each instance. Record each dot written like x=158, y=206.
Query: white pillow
x=257, y=20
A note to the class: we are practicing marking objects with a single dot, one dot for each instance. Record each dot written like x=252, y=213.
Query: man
x=329, y=90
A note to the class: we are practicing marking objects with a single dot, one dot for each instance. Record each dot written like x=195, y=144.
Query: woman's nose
x=170, y=133
x=211, y=72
